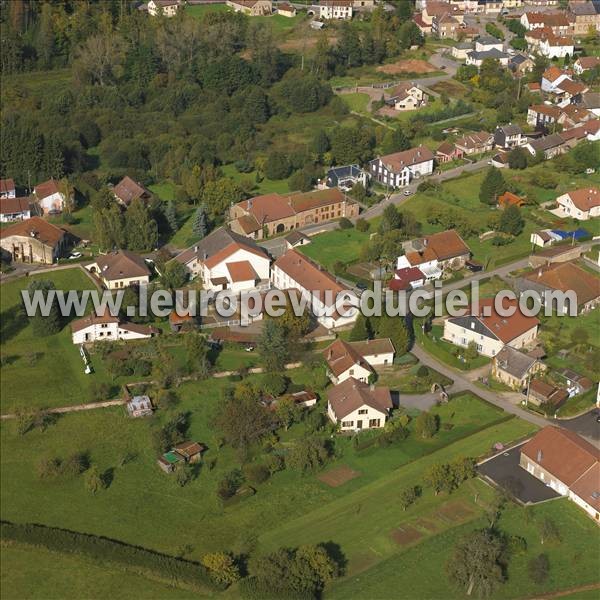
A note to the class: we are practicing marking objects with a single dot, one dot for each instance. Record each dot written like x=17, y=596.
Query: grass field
x=30, y=572
x=41, y=372
x=266, y=186
x=573, y=561
x=357, y=102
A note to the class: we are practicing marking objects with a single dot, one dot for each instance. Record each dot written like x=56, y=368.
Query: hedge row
x=176, y=570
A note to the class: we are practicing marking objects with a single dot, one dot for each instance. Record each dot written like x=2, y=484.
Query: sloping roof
x=296, y=236
x=45, y=189
x=403, y=278
x=585, y=198
x=511, y=129
x=317, y=198
x=128, y=190
x=215, y=259
x=591, y=100
x=474, y=140
x=121, y=265
x=13, y=205
x=398, y=161
x=92, y=319
x=241, y=271
x=341, y=356
x=545, y=109
x=371, y=347
x=137, y=328
x=550, y=19
x=547, y=142
x=248, y=223
x=509, y=198
x=552, y=73
x=351, y=394
x=572, y=88
x=446, y=244
x=487, y=40
x=562, y=453
x=483, y=54
x=7, y=185
x=494, y=325
x=514, y=362
x=189, y=448
x=215, y=243
x=445, y=148
x=308, y=274
x=588, y=62
x=568, y=276
x=587, y=487
x=37, y=228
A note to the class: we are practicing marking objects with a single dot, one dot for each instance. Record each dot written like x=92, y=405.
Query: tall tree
x=171, y=216
x=199, y=226
x=475, y=564
x=511, y=220
x=492, y=186
x=140, y=227
x=273, y=346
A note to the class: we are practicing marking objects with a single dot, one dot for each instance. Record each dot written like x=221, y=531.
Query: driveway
x=504, y=470
x=585, y=425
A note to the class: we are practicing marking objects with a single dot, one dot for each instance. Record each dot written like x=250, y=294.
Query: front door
x=359, y=424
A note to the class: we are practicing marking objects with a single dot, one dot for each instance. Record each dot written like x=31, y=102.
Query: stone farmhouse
x=274, y=213
x=489, y=330
x=400, y=168
x=514, y=368
x=354, y=405
x=34, y=241
x=566, y=463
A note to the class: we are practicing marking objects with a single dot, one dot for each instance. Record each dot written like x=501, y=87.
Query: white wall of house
x=12, y=217
x=550, y=51
x=117, y=284
x=590, y=510
x=459, y=336
x=335, y=11
x=402, y=178
x=364, y=417
x=567, y=205
x=54, y=202
x=375, y=360
x=260, y=264
x=281, y=280
x=105, y=331
x=357, y=371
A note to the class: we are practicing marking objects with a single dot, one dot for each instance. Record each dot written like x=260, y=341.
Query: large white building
x=225, y=260
x=293, y=270
x=566, y=463
x=357, y=359
x=400, y=168
x=491, y=332
x=49, y=196
x=334, y=9
x=120, y=269
x=166, y=8
x=95, y=328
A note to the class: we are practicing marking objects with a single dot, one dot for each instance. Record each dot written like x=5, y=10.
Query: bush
x=275, y=463
x=539, y=568
x=256, y=474
x=422, y=372
x=362, y=225
x=176, y=570
x=345, y=223
x=229, y=485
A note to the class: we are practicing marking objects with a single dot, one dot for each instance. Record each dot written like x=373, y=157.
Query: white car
x=75, y=255
x=407, y=192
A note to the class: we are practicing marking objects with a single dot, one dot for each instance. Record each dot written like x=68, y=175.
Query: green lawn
x=407, y=380
x=362, y=521
x=31, y=572
x=200, y=11
x=419, y=571
x=266, y=186
x=165, y=190
x=41, y=372
x=339, y=244
x=444, y=351
x=357, y=102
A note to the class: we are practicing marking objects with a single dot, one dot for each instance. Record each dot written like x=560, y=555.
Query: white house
x=476, y=57
x=584, y=63
x=167, y=8
x=566, y=463
x=95, y=328
x=400, y=168
x=321, y=291
x=487, y=42
x=552, y=78
x=556, y=47
x=252, y=8
x=227, y=260
x=407, y=96
x=492, y=332
x=354, y=405
x=357, y=359
x=435, y=253
x=582, y=204
x=14, y=209
x=49, y=197
x=7, y=188
x=120, y=269
x=334, y=9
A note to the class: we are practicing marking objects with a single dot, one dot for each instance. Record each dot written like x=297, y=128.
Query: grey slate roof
x=513, y=362
x=493, y=53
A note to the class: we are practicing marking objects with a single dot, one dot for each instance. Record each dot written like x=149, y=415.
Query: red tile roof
x=585, y=198
x=43, y=190
x=341, y=356
x=13, y=205
x=121, y=265
x=7, y=185
x=37, y=228
x=351, y=394
x=128, y=190
x=241, y=271
x=221, y=255
x=562, y=453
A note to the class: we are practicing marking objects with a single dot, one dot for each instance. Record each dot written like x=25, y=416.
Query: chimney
x=539, y=273
x=195, y=248
x=540, y=456
x=372, y=387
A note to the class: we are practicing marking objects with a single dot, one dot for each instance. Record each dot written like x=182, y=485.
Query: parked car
x=75, y=255
x=407, y=192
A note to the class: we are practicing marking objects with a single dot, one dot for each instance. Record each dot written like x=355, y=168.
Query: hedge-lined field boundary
x=177, y=571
